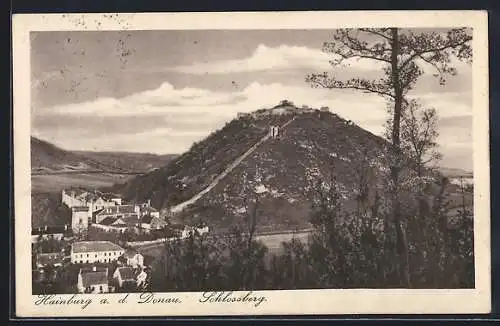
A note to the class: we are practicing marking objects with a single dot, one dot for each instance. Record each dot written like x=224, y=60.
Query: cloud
x=283, y=57
x=168, y=119
x=287, y=57
x=451, y=104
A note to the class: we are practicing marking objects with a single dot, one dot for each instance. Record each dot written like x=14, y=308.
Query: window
x=87, y=255
x=87, y=261
x=105, y=254
x=96, y=255
x=81, y=261
x=100, y=288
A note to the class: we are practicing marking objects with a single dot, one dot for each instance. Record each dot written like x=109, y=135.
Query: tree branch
x=375, y=32
x=358, y=84
x=430, y=50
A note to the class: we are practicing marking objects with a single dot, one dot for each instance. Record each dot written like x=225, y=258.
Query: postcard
x=271, y=163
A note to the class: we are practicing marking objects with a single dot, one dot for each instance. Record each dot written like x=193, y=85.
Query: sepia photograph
x=237, y=162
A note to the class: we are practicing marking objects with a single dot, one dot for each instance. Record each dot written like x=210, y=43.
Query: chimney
x=94, y=269
x=149, y=202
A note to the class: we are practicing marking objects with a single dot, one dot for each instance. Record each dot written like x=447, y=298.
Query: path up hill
x=313, y=144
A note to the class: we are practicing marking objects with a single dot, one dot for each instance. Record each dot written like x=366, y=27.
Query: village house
x=88, y=252
x=242, y=114
x=113, y=224
x=121, y=218
x=133, y=258
x=118, y=211
x=47, y=232
x=94, y=200
x=150, y=223
x=146, y=209
x=83, y=204
x=187, y=230
x=93, y=280
x=125, y=277
x=53, y=258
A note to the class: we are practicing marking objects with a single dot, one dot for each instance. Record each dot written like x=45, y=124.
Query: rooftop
x=89, y=195
x=93, y=269
x=80, y=208
x=118, y=209
x=94, y=246
x=90, y=277
x=126, y=273
x=146, y=219
x=109, y=220
x=131, y=220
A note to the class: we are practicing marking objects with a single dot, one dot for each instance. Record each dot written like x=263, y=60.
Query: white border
x=359, y=301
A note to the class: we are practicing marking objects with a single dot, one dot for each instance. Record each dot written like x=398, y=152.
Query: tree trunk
x=401, y=243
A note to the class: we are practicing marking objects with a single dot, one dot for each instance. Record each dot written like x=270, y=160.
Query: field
x=272, y=241
x=59, y=181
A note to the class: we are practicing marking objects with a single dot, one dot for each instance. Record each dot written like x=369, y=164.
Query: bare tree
x=402, y=53
x=419, y=136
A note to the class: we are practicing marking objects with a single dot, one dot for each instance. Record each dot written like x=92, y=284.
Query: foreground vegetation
x=343, y=251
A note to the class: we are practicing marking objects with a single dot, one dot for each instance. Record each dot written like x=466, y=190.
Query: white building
x=79, y=218
x=118, y=211
x=190, y=229
x=88, y=252
x=84, y=203
x=93, y=280
x=133, y=258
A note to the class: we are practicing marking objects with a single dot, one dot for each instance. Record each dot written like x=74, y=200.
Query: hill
x=137, y=162
x=240, y=156
x=47, y=158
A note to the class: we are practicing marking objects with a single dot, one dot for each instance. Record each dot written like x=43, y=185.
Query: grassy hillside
x=306, y=149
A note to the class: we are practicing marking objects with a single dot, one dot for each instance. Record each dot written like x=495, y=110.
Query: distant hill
x=140, y=162
x=313, y=144
x=48, y=158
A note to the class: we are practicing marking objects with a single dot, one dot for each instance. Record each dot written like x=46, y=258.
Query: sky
x=160, y=91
